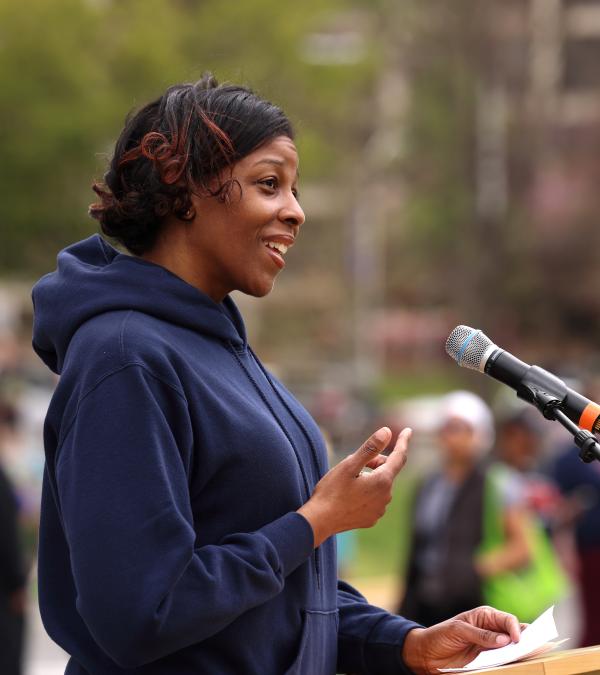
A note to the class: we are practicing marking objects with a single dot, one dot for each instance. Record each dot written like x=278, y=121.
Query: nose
x=291, y=212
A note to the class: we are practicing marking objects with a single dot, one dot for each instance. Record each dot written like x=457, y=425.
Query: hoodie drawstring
x=315, y=454
x=276, y=417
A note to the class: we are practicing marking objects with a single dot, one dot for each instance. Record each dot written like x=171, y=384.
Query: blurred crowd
x=503, y=511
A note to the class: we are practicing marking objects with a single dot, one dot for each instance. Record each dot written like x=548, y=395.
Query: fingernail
x=382, y=434
x=502, y=639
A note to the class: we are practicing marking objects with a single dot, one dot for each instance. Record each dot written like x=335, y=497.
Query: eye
x=270, y=183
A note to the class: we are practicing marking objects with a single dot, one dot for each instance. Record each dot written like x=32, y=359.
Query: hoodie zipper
x=316, y=555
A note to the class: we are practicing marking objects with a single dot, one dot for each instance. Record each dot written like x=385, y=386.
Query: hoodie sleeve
x=370, y=640
x=143, y=589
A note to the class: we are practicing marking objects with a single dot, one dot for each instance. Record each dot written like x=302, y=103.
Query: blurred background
x=450, y=166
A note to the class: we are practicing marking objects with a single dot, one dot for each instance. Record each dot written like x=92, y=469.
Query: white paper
x=533, y=638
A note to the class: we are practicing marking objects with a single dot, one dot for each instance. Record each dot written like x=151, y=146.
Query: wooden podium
x=569, y=662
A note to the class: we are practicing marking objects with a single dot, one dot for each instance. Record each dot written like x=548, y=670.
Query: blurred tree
x=437, y=238
x=71, y=69
x=433, y=155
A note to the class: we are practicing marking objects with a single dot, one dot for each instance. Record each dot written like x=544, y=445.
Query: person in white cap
x=446, y=568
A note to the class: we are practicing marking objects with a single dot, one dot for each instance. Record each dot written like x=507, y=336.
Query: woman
x=187, y=511
x=449, y=564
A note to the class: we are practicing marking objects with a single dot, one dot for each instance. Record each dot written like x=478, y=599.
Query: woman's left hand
x=457, y=641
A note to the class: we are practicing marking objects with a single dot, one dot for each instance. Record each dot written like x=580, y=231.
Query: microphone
x=471, y=348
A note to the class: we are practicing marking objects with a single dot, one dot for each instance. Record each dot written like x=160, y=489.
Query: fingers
x=376, y=462
x=495, y=621
x=482, y=637
x=370, y=449
x=499, y=621
x=511, y=625
x=397, y=458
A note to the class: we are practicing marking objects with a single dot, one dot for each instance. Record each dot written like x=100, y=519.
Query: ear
x=189, y=215
x=230, y=191
x=184, y=208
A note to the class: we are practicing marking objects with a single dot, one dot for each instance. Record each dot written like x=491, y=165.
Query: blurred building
x=504, y=121
x=538, y=151
x=522, y=75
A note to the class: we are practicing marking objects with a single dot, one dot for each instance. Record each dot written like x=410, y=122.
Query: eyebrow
x=269, y=160
x=276, y=162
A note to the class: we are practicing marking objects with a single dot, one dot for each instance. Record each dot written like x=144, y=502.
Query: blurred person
x=520, y=436
x=13, y=574
x=188, y=516
x=449, y=563
x=580, y=485
x=520, y=446
x=520, y=441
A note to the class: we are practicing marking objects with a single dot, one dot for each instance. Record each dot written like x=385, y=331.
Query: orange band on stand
x=589, y=416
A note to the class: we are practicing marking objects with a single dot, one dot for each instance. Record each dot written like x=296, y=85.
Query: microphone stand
x=549, y=406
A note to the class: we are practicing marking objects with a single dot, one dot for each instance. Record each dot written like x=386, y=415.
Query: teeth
x=281, y=248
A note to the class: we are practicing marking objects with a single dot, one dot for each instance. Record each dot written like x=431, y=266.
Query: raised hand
x=347, y=498
x=456, y=642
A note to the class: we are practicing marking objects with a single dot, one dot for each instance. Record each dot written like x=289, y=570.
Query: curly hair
x=174, y=147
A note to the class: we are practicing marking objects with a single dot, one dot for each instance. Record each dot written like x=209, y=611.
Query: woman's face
x=240, y=243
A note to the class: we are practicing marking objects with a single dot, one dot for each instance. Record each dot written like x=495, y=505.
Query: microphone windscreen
x=468, y=347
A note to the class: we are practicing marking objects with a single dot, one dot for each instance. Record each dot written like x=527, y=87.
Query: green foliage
x=438, y=159
x=424, y=382
x=435, y=240
x=72, y=69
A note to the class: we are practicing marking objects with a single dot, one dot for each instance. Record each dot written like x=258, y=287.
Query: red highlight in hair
x=222, y=139
x=169, y=156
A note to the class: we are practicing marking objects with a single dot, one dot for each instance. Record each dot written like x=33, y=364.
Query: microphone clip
x=549, y=406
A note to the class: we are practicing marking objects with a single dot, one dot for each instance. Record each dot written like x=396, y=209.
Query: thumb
x=369, y=449
x=488, y=639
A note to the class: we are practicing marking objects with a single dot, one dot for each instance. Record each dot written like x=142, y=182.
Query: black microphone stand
x=549, y=406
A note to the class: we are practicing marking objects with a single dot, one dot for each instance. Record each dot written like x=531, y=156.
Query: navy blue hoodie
x=175, y=463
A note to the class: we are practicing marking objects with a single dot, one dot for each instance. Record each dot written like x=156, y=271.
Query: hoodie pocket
x=317, y=652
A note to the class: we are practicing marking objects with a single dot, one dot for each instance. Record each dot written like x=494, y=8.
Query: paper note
x=535, y=640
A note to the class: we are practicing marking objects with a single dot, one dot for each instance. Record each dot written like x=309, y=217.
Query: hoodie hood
x=92, y=278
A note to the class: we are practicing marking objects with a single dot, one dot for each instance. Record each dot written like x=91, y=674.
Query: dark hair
x=174, y=147
x=526, y=418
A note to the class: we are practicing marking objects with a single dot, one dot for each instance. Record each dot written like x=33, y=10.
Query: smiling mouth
x=276, y=246
x=276, y=251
